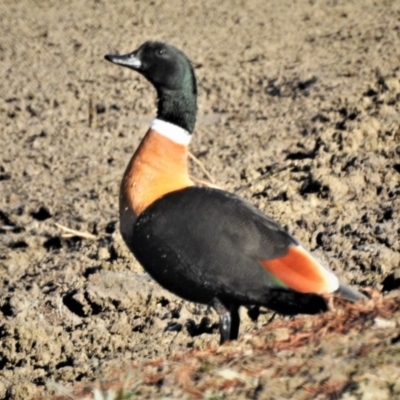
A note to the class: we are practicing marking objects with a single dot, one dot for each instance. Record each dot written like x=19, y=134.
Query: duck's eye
x=160, y=52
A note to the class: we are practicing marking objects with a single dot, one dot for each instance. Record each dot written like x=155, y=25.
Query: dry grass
x=238, y=366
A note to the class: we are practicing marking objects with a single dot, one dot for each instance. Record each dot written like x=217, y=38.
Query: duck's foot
x=229, y=320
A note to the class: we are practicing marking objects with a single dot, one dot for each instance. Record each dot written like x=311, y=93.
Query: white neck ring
x=171, y=131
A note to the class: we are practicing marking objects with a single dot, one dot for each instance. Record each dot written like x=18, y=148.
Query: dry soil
x=299, y=112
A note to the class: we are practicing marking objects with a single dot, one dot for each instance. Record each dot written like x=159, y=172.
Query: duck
x=201, y=243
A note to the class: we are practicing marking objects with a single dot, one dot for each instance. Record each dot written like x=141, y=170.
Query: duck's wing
x=221, y=241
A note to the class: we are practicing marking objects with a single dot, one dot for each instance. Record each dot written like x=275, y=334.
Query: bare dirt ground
x=299, y=112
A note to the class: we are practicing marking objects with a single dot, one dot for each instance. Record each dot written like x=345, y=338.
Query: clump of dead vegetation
x=270, y=357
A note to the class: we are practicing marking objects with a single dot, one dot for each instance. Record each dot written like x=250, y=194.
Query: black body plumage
x=189, y=239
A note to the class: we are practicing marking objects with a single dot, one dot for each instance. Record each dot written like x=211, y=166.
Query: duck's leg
x=229, y=320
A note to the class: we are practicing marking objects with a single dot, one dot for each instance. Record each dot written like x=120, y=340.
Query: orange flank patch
x=159, y=166
x=301, y=272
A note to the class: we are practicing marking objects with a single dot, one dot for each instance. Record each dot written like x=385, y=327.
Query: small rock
x=382, y=323
x=103, y=253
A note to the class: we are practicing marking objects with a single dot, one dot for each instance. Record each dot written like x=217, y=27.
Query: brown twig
x=204, y=183
x=202, y=167
x=72, y=232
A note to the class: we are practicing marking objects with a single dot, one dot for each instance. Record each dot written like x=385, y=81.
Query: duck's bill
x=128, y=60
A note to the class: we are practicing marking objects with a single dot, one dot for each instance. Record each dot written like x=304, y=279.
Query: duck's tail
x=350, y=294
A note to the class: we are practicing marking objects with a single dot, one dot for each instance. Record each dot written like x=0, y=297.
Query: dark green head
x=172, y=75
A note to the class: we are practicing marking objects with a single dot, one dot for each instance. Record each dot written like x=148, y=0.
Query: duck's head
x=172, y=75
x=165, y=66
